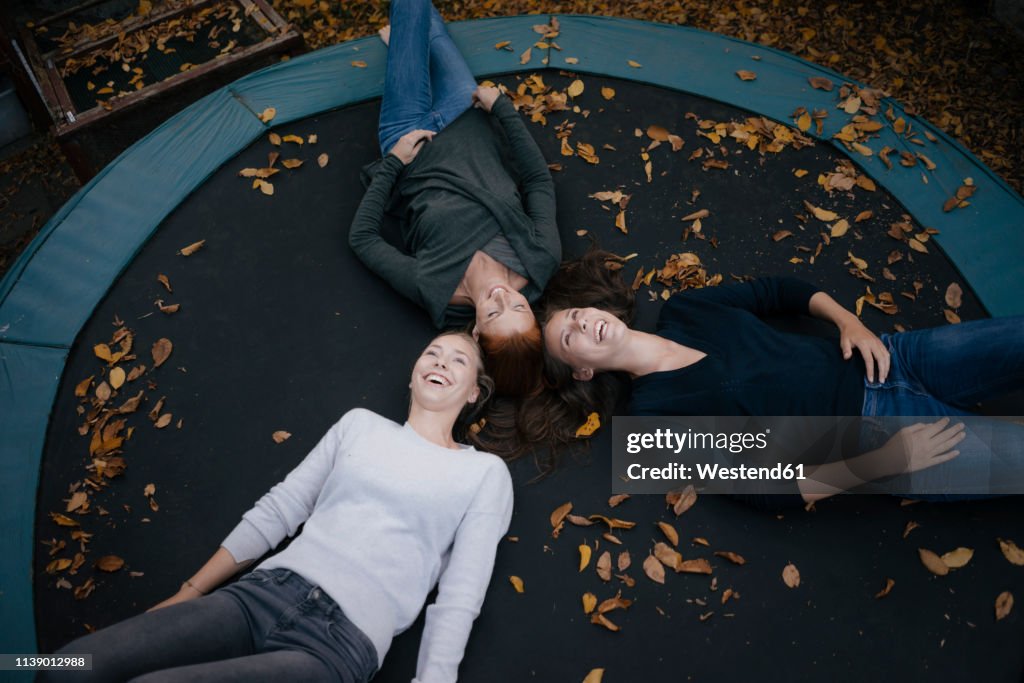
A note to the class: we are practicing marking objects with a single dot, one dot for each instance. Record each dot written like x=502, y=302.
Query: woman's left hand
x=854, y=335
x=485, y=97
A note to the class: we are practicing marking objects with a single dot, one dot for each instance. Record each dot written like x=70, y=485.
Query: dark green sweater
x=457, y=194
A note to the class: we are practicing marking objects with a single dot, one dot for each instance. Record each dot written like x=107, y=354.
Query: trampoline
x=281, y=328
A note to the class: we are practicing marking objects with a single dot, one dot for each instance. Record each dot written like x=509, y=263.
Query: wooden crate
x=108, y=83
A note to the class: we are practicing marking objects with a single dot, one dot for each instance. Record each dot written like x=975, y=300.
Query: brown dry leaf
x=168, y=309
x=58, y=565
x=517, y=583
x=746, y=75
x=951, y=317
x=614, y=603
x=291, y=163
x=954, y=296
x=192, y=248
x=654, y=569
x=863, y=149
x=820, y=83
x=579, y=521
x=595, y=676
x=575, y=88
x=584, y=556
x=359, y=64
x=955, y=559
x=559, y=514
x=604, y=566
x=116, y=377
x=911, y=525
x=889, y=583
x=103, y=352
x=322, y=160
x=503, y=45
x=77, y=500
x=791, y=575
x=163, y=421
x=1011, y=552
x=863, y=216
x=82, y=388
x=696, y=215
x=589, y=602
x=800, y=172
x=821, y=214
x=149, y=490
x=103, y=392
x=681, y=501
x=670, y=533
x=280, y=436
x=1004, y=603
x=264, y=187
x=267, y=115
x=592, y=424
x=840, y=227
x=109, y=563
x=162, y=279
x=161, y=350
x=274, y=139
x=635, y=65
x=700, y=540
x=618, y=499
x=154, y=413
x=860, y=263
x=804, y=124
x=607, y=93
x=620, y=223
x=136, y=372
x=614, y=523
x=312, y=139
x=62, y=520
x=731, y=556
x=525, y=57
x=933, y=562
x=668, y=557
x=624, y=561
x=676, y=142
x=658, y=133
x=917, y=245
x=598, y=618
x=697, y=566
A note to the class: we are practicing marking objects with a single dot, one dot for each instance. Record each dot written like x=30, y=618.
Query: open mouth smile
x=437, y=379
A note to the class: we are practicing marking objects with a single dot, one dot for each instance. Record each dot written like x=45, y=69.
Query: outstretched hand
x=484, y=97
x=854, y=335
x=924, y=445
x=409, y=145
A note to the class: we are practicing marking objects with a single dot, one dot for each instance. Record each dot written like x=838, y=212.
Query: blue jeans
x=271, y=625
x=945, y=372
x=427, y=84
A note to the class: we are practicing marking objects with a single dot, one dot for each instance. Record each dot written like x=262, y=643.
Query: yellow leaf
x=917, y=246
x=102, y=352
x=863, y=216
x=863, y=149
x=275, y=139
x=291, y=163
x=821, y=214
x=860, y=263
x=592, y=424
x=595, y=675
x=268, y=115
x=620, y=222
x=1004, y=603
x=117, y=377
x=589, y=602
x=955, y=559
x=804, y=122
x=572, y=60
x=575, y=88
x=584, y=556
x=517, y=583
x=82, y=388
x=525, y=57
x=840, y=227
x=293, y=138
x=566, y=148
x=607, y=93
x=502, y=44
x=747, y=76
x=800, y=173
x=1011, y=552
x=192, y=248
x=933, y=562
x=635, y=65
x=359, y=64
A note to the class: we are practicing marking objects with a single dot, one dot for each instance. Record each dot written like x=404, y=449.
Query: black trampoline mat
x=281, y=328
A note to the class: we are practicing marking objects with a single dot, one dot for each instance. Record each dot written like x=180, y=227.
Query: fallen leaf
x=517, y=583
x=955, y=559
x=589, y=602
x=162, y=279
x=604, y=566
x=781, y=235
x=503, y=45
x=863, y=216
x=592, y=424
x=82, y=388
x=584, y=556
x=161, y=350
x=954, y=295
x=840, y=227
x=116, y=377
x=1004, y=603
x=559, y=514
x=635, y=65
x=322, y=160
x=820, y=83
x=579, y=521
x=821, y=214
x=291, y=163
x=791, y=575
x=109, y=563
x=525, y=57
x=667, y=556
x=192, y=248
x=598, y=618
x=575, y=88
x=746, y=75
x=951, y=317
x=267, y=115
x=860, y=263
x=889, y=583
x=103, y=392
x=933, y=562
x=274, y=139
x=62, y=520
x=77, y=500
x=658, y=133
x=697, y=566
x=572, y=60
x=731, y=556
x=683, y=500
x=670, y=533
x=1011, y=552
x=654, y=569
x=359, y=64
x=607, y=93
x=911, y=525
x=624, y=561
x=163, y=421
x=595, y=676
x=618, y=499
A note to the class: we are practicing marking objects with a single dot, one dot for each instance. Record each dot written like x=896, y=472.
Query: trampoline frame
x=53, y=288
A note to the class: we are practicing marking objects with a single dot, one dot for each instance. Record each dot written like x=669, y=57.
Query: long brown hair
x=514, y=362
x=544, y=423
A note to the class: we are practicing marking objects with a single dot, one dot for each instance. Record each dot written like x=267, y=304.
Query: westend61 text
x=712, y=472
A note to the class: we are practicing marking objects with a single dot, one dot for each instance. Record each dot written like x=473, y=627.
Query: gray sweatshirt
x=388, y=515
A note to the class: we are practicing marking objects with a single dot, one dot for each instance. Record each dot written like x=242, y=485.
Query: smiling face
x=586, y=339
x=445, y=374
x=503, y=313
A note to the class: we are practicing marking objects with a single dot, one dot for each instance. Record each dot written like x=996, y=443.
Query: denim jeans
x=945, y=372
x=427, y=84
x=269, y=626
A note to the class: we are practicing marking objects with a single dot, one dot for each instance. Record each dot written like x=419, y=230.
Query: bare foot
x=385, y=34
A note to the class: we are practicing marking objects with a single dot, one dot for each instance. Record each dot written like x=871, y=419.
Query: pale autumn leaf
x=889, y=583
x=192, y=248
x=595, y=675
x=954, y=295
x=744, y=75
x=1004, y=603
x=955, y=559
x=575, y=88
x=670, y=533
x=604, y=566
x=589, y=602
x=1012, y=553
x=280, y=436
x=359, y=64
x=267, y=115
x=161, y=351
x=109, y=563
x=932, y=562
x=584, y=556
x=559, y=514
x=517, y=584
x=654, y=569
x=322, y=160
x=791, y=575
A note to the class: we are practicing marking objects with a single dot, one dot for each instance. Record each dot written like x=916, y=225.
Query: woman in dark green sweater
x=473, y=191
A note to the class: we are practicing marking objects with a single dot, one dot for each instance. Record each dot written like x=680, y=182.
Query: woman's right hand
x=408, y=146
x=184, y=594
x=923, y=445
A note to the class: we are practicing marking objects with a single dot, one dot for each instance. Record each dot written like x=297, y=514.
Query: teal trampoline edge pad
x=28, y=384
x=55, y=285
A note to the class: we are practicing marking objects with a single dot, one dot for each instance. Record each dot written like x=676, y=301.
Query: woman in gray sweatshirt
x=389, y=511
x=475, y=197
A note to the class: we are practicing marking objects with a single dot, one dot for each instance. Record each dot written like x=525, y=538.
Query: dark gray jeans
x=269, y=626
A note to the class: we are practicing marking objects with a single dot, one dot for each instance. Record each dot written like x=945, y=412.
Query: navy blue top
x=750, y=367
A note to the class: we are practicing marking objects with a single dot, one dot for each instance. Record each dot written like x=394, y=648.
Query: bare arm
x=217, y=570
x=853, y=334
